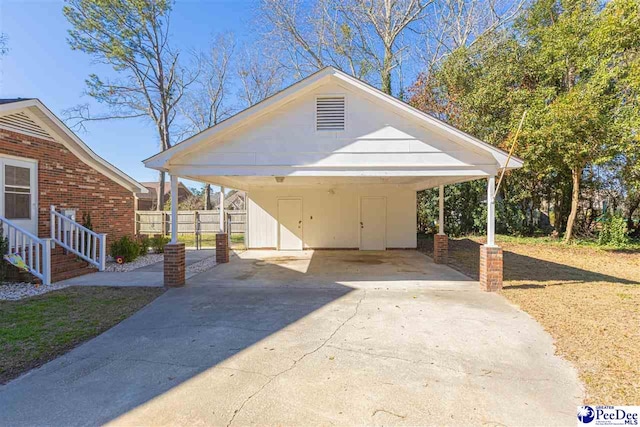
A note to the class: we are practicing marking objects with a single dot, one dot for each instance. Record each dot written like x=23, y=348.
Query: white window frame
x=35, y=194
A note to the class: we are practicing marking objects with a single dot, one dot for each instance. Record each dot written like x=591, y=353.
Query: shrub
x=614, y=231
x=125, y=247
x=158, y=243
x=144, y=243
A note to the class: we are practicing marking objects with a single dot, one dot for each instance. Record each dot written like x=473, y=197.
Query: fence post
x=163, y=221
x=195, y=229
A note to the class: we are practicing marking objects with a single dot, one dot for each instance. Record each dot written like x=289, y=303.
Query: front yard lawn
x=36, y=330
x=587, y=298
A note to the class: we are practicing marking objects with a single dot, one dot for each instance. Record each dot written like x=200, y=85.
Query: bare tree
x=133, y=38
x=259, y=75
x=206, y=103
x=453, y=24
x=359, y=36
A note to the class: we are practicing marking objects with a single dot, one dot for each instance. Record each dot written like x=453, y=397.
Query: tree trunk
x=576, y=174
x=161, y=192
x=386, y=71
x=207, y=197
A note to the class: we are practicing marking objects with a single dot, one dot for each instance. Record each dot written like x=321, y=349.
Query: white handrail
x=35, y=252
x=79, y=240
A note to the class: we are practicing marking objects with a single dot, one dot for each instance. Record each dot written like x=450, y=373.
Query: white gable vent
x=330, y=113
x=22, y=123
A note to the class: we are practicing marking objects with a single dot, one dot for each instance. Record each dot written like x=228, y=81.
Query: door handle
x=361, y=224
x=299, y=224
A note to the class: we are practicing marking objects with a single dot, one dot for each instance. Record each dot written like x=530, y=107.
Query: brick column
x=174, y=265
x=440, y=248
x=222, y=248
x=490, y=268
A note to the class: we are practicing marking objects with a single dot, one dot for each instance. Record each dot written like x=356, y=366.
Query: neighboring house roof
x=12, y=100
x=160, y=161
x=31, y=117
x=152, y=190
x=235, y=199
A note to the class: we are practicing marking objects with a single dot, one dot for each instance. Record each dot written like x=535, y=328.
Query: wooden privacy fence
x=189, y=222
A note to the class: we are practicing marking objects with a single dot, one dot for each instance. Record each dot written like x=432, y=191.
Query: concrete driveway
x=311, y=338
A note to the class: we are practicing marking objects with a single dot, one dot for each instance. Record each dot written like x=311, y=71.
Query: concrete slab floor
x=311, y=338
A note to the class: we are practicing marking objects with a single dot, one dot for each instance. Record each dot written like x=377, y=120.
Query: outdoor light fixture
x=279, y=179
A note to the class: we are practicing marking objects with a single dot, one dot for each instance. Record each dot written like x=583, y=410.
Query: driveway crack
x=295, y=362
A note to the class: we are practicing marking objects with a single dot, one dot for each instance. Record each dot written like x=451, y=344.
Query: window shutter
x=330, y=113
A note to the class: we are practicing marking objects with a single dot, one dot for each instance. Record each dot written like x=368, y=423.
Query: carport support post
x=174, y=253
x=490, y=254
x=221, y=209
x=440, y=240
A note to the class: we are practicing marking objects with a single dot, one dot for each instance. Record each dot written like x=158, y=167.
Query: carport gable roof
x=162, y=160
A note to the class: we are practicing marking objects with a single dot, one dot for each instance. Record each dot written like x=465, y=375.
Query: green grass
x=237, y=238
x=209, y=240
x=36, y=330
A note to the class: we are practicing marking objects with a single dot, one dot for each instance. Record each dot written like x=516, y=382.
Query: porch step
x=69, y=274
x=68, y=266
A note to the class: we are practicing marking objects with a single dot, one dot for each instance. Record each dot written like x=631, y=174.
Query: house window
x=330, y=113
x=17, y=192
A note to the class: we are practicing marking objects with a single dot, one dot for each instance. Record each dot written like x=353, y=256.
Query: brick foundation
x=174, y=265
x=222, y=248
x=490, y=268
x=441, y=249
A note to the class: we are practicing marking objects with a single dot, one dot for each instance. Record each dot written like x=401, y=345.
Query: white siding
x=261, y=225
x=375, y=136
x=332, y=220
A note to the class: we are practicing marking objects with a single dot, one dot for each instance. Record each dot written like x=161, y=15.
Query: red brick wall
x=66, y=182
x=490, y=268
x=441, y=249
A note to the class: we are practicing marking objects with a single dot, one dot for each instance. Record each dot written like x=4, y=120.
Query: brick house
x=149, y=201
x=44, y=164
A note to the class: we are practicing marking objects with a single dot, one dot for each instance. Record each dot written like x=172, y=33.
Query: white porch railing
x=79, y=240
x=35, y=252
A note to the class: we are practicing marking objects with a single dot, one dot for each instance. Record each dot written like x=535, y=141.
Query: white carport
x=331, y=162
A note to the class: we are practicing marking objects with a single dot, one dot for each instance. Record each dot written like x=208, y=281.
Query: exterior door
x=373, y=223
x=19, y=198
x=290, y=224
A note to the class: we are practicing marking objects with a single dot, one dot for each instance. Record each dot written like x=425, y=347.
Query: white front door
x=290, y=224
x=373, y=223
x=19, y=197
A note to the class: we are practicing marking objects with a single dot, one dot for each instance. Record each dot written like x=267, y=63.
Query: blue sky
x=41, y=65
